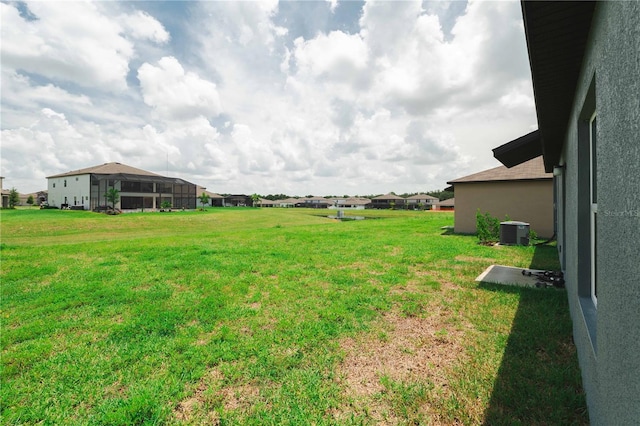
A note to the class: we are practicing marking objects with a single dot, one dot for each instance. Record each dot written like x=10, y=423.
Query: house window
x=54, y=184
x=586, y=195
x=65, y=183
x=593, y=214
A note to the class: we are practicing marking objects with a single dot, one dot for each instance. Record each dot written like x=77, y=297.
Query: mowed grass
x=274, y=316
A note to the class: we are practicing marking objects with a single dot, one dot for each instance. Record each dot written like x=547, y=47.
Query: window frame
x=593, y=204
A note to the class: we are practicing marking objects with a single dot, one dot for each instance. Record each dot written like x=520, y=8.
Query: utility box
x=514, y=233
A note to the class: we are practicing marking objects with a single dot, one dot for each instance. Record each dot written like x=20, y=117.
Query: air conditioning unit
x=514, y=233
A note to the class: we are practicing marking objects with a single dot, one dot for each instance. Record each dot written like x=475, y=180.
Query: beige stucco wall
x=526, y=201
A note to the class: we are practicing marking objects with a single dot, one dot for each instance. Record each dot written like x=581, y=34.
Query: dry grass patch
x=401, y=355
x=212, y=396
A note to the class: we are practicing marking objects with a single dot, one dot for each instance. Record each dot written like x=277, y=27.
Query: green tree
x=30, y=200
x=14, y=198
x=204, y=199
x=113, y=196
x=255, y=198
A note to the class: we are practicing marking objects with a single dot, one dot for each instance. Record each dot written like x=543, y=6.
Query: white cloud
x=175, y=94
x=336, y=56
x=236, y=100
x=75, y=43
x=19, y=90
x=141, y=25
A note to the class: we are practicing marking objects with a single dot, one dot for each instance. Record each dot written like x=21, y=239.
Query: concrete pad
x=508, y=275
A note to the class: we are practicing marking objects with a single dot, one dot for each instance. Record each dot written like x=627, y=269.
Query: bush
x=488, y=228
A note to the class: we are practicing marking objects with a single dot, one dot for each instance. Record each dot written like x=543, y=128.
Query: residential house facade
x=351, y=203
x=315, y=202
x=4, y=193
x=238, y=200
x=388, y=201
x=523, y=193
x=585, y=66
x=421, y=202
x=445, y=205
x=215, y=200
x=86, y=189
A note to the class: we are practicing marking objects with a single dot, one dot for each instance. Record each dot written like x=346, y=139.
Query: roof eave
x=556, y=34
x=519, y=150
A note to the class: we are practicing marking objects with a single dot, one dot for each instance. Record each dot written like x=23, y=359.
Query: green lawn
x=274, y=316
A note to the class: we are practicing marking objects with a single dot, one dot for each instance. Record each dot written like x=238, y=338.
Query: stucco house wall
x=71, y=190
x=607, y=334
x=526, y=201
x=585, y=63
x=139, y=189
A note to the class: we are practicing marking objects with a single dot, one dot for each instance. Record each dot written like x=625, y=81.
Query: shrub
x=488, y=228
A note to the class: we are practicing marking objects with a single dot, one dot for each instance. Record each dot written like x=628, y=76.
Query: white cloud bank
x=224, y=97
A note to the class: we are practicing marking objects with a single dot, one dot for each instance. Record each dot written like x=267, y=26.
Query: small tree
x=204, y=199
x=255, y=198
x=30, y=200
x=165, y=205
x=14, y=198
x=113, y=196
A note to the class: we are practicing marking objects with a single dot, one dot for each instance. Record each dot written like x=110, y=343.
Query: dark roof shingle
x=529, y=170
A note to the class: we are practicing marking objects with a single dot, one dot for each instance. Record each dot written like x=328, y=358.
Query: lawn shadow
x=539, y=379
x=545, y=257
x=447, y=230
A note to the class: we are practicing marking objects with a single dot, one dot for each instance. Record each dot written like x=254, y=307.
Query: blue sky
x=309, y=97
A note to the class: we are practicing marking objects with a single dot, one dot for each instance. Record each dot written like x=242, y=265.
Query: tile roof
x=388, y=197
x=107, y=169
x=356, y=201
x=201, y=189
x=447, y=202
x=529, y=170
x=422, y=197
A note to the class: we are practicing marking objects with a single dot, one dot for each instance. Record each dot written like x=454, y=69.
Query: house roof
x=316, y=199
x=107, y=169
x=556, y=34
x=422, y=197
x=448, y=202
x=288, y=201
x=388, y=197
x=201, y=189
x=529, y=170
x=357, y=201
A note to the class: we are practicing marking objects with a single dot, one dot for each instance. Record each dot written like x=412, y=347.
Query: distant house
x=86, y=189
x=351, y=203
x=5, y=194
x=287, y=202
x=524, y=193
x=39, y=197
x=445, y=205
x=215, y=200
x=238, y=200
x=266, y=203
x=585, y=66
x=388, y=201
x=421, y=201
x=314, y=202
